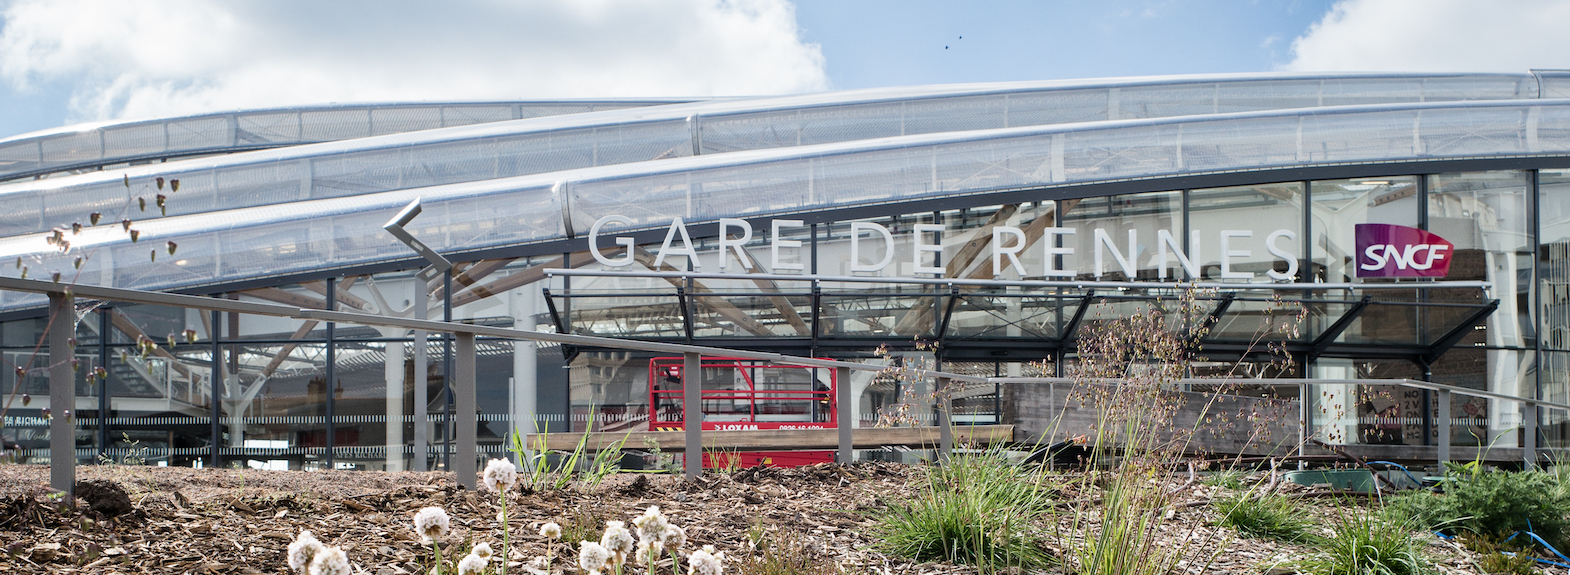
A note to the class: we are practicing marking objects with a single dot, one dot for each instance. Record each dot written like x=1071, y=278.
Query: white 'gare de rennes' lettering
x=1007, y=244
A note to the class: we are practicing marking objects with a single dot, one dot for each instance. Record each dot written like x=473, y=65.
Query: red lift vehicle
x=747, y=394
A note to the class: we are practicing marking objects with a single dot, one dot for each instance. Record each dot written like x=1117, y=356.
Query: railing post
x=1305, y=425
x=945, y=431
x=844, y=410
x=1444, y=428
x=62, y=395
x=1529, y=439
x=467, y=418
x=422, y=423
x=692, y=413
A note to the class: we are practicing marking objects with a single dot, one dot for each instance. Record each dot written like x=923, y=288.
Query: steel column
x=1444, y=428
x=692, y=413
x=216, y=385
x=467, y=419
x=62, y=394
x=945, y=431
x=331, y=374
x=845, y=407
x=422, y=423
x=103, y=384
x=1529, y=435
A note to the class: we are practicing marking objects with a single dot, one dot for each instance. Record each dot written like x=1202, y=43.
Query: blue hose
x=1403, y=470
x=1540, y=541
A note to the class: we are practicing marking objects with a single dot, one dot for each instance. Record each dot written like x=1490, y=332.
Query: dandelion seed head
x=592, y=557
x=431, y=523
x=472, y=564
x=330, y=561
x=641, y=556
x=304, y=547
x=651, y=525
x=500, y=475
x=705, y=562
x=617, y=539
x=550, y=531
x=675, y=537
x=483, y=550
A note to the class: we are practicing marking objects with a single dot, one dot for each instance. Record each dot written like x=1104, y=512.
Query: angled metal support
x=567, y=351
x=1330, y=334
x=1079, y=315
x=686, y=312
x=1445, y=342
x=395, y=226
x=948, y=312
x=817, y=312
x=1214, y=317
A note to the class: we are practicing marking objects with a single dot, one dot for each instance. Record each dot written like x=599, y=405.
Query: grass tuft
x=978, y=510
x=1367, y=544
x=1269, y=517
x=1226, y=478
x=784, y=554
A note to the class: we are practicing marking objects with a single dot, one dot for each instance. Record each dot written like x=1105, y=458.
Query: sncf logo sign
x=1391, y=251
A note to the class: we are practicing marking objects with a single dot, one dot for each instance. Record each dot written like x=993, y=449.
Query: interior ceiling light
x=1375, y=182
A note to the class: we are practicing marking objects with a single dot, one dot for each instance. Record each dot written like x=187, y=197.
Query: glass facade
x=302, y=395
x=975, y=228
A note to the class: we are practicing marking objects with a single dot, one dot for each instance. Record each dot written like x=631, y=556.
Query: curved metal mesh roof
x=93, y=146
x=515, y=148
x=244, y=244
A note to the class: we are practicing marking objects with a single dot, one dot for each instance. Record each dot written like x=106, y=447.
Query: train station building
x=1411, y=226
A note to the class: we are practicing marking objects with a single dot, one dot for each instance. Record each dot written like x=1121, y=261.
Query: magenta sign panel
x=1391, y=251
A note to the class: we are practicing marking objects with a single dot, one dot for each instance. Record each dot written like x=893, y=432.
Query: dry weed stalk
x=1128, y=373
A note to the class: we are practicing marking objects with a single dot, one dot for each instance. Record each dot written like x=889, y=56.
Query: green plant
x=1367, y=544
x=135, y=452
x=1499, y=556
x=1227, y=478
x=1422, y=509
x=542, y=475
x=606, y=461
x=724, y=460
x=1498, y=503
x=662, y=461
x=585, y=525
x=1268, y=517
x=784, y=554
x=977, y=509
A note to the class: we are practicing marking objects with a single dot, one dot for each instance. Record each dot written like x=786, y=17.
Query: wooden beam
x=787, y=310
x=473, y=274
x=342, y=296
x=288, y=348
x=128, y=327
x=783, y=439
x=518, y=279
x=720, y=306
x=919, y=317
x=278, y=295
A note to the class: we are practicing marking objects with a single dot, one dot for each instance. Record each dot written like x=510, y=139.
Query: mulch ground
x=177, y=520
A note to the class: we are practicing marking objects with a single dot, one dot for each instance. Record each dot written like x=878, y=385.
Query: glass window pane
x=1339, y=205
x=1264, y=211
x=1141, y=215
x=1486, y=216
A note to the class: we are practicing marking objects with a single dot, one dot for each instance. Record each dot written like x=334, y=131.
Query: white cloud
x=168, y=57
x=1436, y=36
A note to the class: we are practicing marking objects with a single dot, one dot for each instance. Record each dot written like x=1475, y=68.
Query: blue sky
x=69, y=61
x=872, y=43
